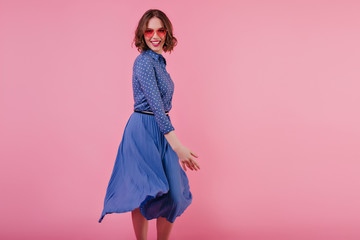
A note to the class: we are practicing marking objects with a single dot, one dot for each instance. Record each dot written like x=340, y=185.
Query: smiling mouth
x=155, y=43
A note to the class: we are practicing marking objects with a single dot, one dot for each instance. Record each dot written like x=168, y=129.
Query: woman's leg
x=140, y=224
x=163, y=227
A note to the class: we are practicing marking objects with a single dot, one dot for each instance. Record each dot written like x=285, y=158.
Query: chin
x=157, y=49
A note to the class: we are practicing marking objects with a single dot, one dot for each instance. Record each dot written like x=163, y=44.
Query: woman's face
x=157, y=40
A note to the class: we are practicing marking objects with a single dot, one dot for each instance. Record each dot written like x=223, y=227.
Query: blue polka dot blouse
x=153, y=87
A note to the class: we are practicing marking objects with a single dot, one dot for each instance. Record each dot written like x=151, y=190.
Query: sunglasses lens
x=161, y=32
x=149, y=33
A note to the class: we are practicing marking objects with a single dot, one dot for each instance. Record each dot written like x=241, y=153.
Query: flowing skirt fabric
x=146, y=174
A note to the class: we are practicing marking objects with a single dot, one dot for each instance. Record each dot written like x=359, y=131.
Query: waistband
x=148, y=112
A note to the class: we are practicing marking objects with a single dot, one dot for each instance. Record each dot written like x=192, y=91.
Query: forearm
x=173, y=140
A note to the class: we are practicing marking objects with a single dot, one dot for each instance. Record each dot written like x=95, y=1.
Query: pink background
x=266, y=92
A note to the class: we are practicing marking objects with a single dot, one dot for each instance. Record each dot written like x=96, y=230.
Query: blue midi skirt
x=146, y=173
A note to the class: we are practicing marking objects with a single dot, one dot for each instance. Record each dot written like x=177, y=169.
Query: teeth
x=156, y=42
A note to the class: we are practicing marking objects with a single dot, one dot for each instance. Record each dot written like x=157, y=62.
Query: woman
x=147, y=178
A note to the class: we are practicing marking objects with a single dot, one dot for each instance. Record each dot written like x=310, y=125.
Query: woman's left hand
x=186, y=157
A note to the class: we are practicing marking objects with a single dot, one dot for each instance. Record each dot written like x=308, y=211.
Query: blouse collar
x=156, y=56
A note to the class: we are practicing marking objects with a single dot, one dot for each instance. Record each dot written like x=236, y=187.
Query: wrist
x=177, y=147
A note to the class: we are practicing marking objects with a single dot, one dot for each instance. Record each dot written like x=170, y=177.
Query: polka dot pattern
x=153, y=87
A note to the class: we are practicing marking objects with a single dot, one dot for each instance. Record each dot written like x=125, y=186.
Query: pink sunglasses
x=150, y=32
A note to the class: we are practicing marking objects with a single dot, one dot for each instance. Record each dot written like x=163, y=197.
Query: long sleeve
x=145, y=74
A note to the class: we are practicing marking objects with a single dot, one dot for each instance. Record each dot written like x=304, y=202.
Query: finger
x=197, y=165
x=189, y=165
x=194, y=164
x=194, y=154
x=183, y=165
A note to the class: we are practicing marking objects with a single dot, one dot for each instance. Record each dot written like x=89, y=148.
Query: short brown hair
x=170, y=40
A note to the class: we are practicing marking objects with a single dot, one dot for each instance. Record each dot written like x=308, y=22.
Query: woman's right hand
x=186, y=157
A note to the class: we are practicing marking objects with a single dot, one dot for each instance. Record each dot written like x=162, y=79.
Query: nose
x=156, y=36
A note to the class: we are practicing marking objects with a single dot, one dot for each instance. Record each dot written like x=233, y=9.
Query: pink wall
x=266, y=92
